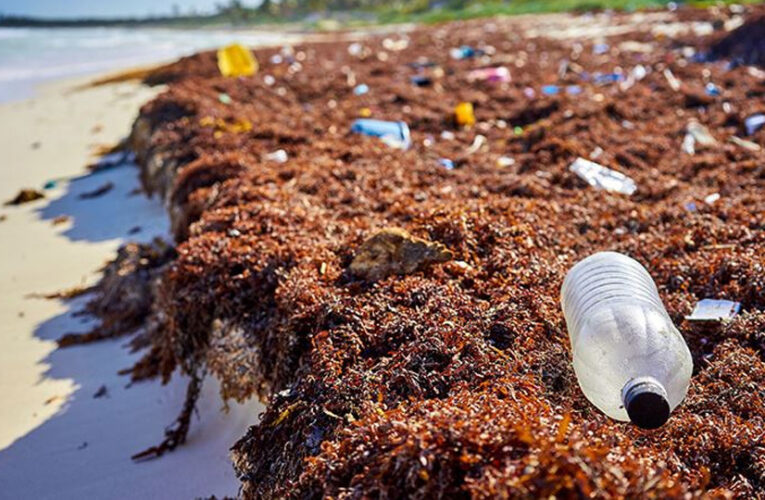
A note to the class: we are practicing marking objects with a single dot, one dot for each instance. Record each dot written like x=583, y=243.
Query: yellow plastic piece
x=235, y=60
x=365, y=112
x=464, y=114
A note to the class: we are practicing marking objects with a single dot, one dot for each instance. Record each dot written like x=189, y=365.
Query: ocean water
x=30, y=56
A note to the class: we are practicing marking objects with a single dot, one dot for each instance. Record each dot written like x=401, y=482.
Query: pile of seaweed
x=401, y=314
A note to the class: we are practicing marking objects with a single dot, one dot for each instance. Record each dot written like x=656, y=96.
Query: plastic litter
x=600, y=48
x=711, y=89
x=236, y=60
x=447, y=135
x=394, y=134
x=689, y=144
x=478, y=142
x=629, y=358
x=748, y=145
x=714, y=310
x=50, y=184
x=463, y=114
x=701, y=134
x=607, y=78
x=421, y=80
x=279, y=156
x=446, y=163
x=499, y=74
x=754, y=123
x=361, y=89
x=601, y=177
x=355, y=49
x=550, y=89
x=573, y=90
x=505, y=161
x=224, y=98
x=464, y=52
x=674, y=83
x=712, y=198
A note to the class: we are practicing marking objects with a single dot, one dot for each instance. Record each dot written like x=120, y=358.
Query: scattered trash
x=446, y=163
x=639, y=72
x=498, y=74
x=447, y=135
x=689, y=144
x=601, y=177
x=754, y=123
x=505, y=161
x=395, y=251
x=464, y=52
x=529, y=92
x=25, y=196
x=100, y=191
x=395, y=45
x=279, y=156
x=361, y=89
x=701, y=134
x=236, y=60
x=50, y=184
x=101, y=392
x=712, y=198
x=748, y=145
x=395, y=134
x=714, y=310
x=573, y=90
x=615, y=318
x=712, y=90
x=674, y=83
x=365, y=112
x=518, y=130
x=463, y=114
x=355, y=49
x=269, y=80
x=224, y=98
x=421, y=80
x=550, y=89
x=607, y=78
x=600, y=48
x=477, y=143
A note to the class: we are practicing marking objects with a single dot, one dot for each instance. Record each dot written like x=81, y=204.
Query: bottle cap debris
x=601, y=177
x=714, y=310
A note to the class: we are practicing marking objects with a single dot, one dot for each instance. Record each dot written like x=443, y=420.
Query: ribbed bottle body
x=620, y=331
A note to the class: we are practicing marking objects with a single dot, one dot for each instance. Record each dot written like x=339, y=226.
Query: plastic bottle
x=629, y=359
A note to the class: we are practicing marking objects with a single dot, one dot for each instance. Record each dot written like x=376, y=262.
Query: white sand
x=56, y=439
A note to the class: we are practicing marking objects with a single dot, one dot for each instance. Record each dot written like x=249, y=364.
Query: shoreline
x=51, y=419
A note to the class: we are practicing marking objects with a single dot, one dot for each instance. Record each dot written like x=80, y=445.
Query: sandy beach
x=68, y=422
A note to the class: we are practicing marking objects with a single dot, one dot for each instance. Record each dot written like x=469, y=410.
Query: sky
x=104, y=8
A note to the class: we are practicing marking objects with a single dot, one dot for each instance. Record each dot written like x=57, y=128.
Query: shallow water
x=30, y=56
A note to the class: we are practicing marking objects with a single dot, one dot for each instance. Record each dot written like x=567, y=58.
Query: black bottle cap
x=646, y=404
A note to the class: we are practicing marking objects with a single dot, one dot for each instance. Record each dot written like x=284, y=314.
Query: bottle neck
x=645, y=400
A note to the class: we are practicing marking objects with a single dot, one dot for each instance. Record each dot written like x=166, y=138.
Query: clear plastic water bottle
x=630, y=360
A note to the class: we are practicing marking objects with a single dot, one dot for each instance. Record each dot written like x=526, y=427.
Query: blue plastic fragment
x=600, y=48
x=393, y=133
x=550, y=89
x=361, y=89
x=49, y=185
x=754, y=123
x=447, y=163
x=573, y=90
x=711, y=89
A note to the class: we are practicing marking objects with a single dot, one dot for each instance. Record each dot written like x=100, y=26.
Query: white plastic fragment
x=748, y=145
x=712, y=198
x=674, y=83
x=279, y=156
x=479, y=141
x=601, y=177
x=714, y=310
x=701, y=134
x=689, y=144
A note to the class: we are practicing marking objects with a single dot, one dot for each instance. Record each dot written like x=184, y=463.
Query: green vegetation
x=324, y=14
